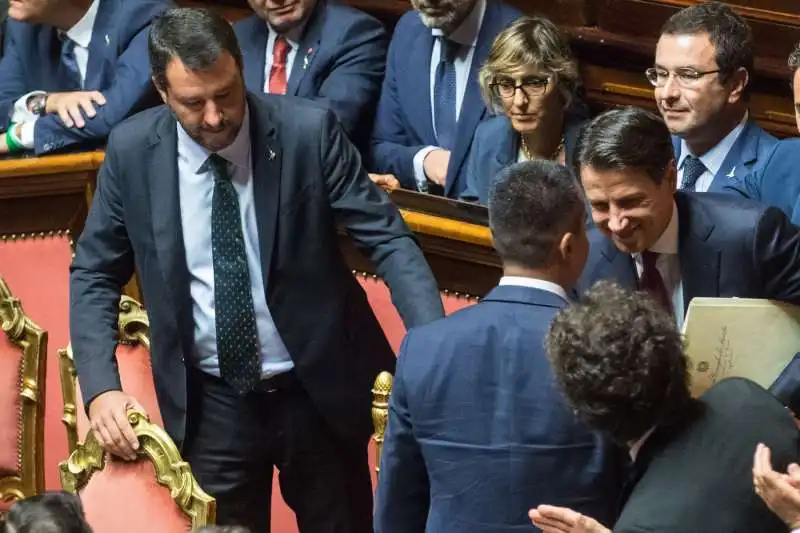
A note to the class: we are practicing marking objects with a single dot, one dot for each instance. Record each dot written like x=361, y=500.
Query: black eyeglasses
x=685, y=76
x=532, y=86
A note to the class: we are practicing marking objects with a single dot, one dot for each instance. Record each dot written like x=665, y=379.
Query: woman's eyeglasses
x=532, y=86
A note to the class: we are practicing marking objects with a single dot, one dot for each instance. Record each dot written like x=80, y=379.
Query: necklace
x=553, y=156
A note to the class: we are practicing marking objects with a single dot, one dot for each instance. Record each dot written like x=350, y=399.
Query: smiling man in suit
x=431, y=102
x=677, y=245
x=264, y=346
x=701, y=77
x=72, y=70
x=317, y=49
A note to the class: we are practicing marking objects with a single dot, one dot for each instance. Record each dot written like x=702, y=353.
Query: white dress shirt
x=712, y=159
x=467, y=36
x=293, y=40
x=535, y=283
x=668, y=265
x=196, y=186
x=81, y=35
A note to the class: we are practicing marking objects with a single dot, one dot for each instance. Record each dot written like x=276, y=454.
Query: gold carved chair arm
x=171, y=470
x=381, y=390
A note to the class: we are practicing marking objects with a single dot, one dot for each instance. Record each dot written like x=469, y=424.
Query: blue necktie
x=69, y=65
x=235, y=317
x=444, y=94
x=693, y=168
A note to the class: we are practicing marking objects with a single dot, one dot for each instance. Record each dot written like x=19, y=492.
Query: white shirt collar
x=238, y=152
x=81, y=32
x=467, y=33
x=637, y=446
x=714, y=158
x=668, y=242
x=535, y=283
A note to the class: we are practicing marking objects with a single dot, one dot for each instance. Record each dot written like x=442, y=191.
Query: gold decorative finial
x=381, y=390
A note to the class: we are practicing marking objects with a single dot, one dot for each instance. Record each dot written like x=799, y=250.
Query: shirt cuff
x=21, y=112
x=26, y=134
x=419, y=168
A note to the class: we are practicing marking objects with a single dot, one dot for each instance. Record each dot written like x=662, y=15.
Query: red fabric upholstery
x=127, y=498
x=10, y=408
x=137, y=380
x=37, y=270
x=381, y=302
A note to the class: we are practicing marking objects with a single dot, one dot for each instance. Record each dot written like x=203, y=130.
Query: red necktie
x=277, y=74
x=652, y=282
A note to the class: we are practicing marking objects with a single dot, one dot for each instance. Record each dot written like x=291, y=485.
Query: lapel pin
x=731, y=174
x=271, y=154
x=108, y=40
x=307, y=59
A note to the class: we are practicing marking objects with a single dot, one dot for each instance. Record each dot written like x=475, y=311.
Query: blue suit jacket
x=728, y=247
x=496, y=146
x=478, y=432
x=747, y=154
x=404, y=125
x=119, y=67
x=340, y=62
x=776, y=182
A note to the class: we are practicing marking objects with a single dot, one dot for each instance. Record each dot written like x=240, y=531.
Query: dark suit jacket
x=119, y=67
x=340, y=63
x=314, y=180
x=776, y=182
x=727, y=247
x=496, y=146
x=747, y=154
x=478, y=432
x=404, y=125
x=695, y=476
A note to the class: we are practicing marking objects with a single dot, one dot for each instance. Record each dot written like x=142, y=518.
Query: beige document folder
x=739, y=337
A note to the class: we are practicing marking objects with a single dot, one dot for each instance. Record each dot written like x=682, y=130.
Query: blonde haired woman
x=530, y=79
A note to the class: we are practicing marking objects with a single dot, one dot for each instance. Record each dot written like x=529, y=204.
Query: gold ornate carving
x=171, y=470
x=133, y=328
x=443, y=292
x=32, y=341
x=39, y=235
x=381, y=390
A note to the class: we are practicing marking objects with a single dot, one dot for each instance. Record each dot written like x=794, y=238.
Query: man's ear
x=161, y=91
x=566, y=246
x=671, y=175
x=738, y=81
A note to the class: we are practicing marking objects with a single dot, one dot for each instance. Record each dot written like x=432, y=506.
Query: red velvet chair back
x=23, y=346
x=156, y=493
x=37, y=268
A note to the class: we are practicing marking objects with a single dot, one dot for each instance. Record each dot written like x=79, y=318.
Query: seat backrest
x=135, y=370
x=381, y=391
x=23, y=348
x=156, y=493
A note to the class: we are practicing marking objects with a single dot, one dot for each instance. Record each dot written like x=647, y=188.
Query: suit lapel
x=742, y=154
x=266, y=154
x=699, y=260
x=308, y=48
x=99, y=47
x=619, y=263
x=414, y=86
x=507, y=147
x=254, y=50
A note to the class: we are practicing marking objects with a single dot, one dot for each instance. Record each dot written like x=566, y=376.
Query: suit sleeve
x=103, y=264
x=391, y=153
x=12, y=80
x=403, y=494
x=130, y=89
x=746, y=186
x=353, y=86
x=776, y=255
x=472, y=192
x=377, y=228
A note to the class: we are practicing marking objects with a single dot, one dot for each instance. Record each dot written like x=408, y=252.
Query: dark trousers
x=233, y=442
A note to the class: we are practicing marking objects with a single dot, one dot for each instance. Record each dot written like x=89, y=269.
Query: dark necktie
x=693, y=168
x=444, y=94
x=277, y=73
x=237, y=337
x=69, y=64
x=652, y=282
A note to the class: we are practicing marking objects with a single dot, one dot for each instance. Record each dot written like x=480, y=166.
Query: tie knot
x=649, y=259
x=693, y=168
x=218, y=166
x=280, y=51
x=449, y=49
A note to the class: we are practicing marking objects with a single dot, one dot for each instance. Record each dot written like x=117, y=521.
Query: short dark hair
x=794, y=59
x=618, y=357
x=531, y=205
x=628, y=137
x=49, y=512
x=728, y=32
x=198, y=37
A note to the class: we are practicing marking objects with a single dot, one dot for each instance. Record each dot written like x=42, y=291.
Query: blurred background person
x=49, y=512
x=530, y=79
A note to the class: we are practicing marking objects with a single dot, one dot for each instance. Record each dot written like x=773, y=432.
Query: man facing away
x=701, y=75
x=264, y=347
x=477, y=428
x=72, y=70
x=619, y=359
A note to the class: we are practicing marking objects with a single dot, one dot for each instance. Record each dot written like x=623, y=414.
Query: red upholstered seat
x=155, y=494
x=37, y=268
x=22, y=350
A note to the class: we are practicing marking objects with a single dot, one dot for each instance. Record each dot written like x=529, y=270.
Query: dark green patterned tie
x=237, y=338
